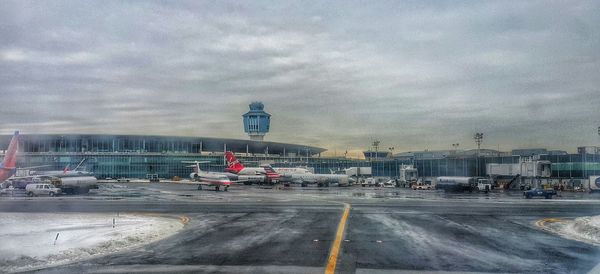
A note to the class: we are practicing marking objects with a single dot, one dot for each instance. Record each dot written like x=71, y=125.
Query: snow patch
x=584, y=229
x=27, y=241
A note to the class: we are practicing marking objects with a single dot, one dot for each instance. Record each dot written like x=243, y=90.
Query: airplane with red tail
x=80, y=182
x=8, y=167
x=234, y=166
x=287, y=175
x=271, y=174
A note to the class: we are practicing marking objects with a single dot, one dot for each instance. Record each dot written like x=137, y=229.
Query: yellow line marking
x=539, y=223
x=552, y=220
x=335, y=248
x=184, y=219
x=542, y=223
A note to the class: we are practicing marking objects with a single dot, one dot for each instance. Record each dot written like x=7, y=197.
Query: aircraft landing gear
x=199, y=187
x=217, y=188
x=226, y=187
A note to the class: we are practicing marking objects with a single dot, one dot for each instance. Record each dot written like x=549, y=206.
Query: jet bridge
x=528, y=173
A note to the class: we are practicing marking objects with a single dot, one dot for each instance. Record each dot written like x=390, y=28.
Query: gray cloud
x=334, y=74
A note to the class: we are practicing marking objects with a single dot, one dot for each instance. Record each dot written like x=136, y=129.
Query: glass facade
x=135, y=156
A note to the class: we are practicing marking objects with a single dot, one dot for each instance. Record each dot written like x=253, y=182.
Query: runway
x=252, y=230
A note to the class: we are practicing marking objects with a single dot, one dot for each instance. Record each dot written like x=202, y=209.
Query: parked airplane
x=8, y=167
x=294, y=175
x=234, y=166
x=266, y=173
x=216, y=179
x=288, y=171
x=75, y=184
x=319, y=179
x=66, y=172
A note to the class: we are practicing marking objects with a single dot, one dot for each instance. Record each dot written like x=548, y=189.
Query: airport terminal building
x=138, y=156
x=142, y=156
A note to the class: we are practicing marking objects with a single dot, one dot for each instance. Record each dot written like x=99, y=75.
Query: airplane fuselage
x=255, y=174
x=251, y=171
x=215, y=179
x=60, y=173
x=316, y=178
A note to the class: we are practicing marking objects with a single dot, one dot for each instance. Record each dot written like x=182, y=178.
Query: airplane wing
x=196, y=162
x=41, y=177
x=32, y=167
x=187, y=182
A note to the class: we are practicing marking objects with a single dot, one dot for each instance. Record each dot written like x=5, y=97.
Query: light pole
x=478, y=139
x=376, y=147
x=455, y=146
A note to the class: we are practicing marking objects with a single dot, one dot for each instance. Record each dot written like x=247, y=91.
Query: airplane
x=216, y=179
x=271, y=175
x=296, y=175
x=8, y=167
x=69, y=181
x=234, y=166
x=66, y=172
x=320, y=179
x=75, y=184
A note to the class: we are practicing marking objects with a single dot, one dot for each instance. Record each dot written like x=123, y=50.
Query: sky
x=415, y=75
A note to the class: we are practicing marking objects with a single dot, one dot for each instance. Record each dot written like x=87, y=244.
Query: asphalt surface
x=256, y=230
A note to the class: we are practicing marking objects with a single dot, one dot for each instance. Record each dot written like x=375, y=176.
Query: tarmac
x=251, y=229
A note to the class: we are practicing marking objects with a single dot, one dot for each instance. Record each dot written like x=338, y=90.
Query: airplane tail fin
x=233, y=164
x=271, y=174
x=269, y=169
x=10, y=157
x=79, y=165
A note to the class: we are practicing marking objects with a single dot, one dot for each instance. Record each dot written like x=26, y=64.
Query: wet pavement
x=269, y=230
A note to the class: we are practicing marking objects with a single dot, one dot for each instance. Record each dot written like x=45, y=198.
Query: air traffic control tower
x=256, y=121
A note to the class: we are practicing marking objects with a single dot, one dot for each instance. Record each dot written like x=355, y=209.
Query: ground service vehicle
x=421, y=186
x=42, y=189
x=455, y=184
x=539, y=192
x=484, y=185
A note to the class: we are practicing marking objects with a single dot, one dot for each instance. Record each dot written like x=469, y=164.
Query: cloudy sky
x=414, y=74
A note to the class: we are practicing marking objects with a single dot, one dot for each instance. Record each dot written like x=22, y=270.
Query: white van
x=41, y=189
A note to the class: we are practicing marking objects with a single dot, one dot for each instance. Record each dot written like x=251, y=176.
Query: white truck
x=484, y=185
x=407, y=175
